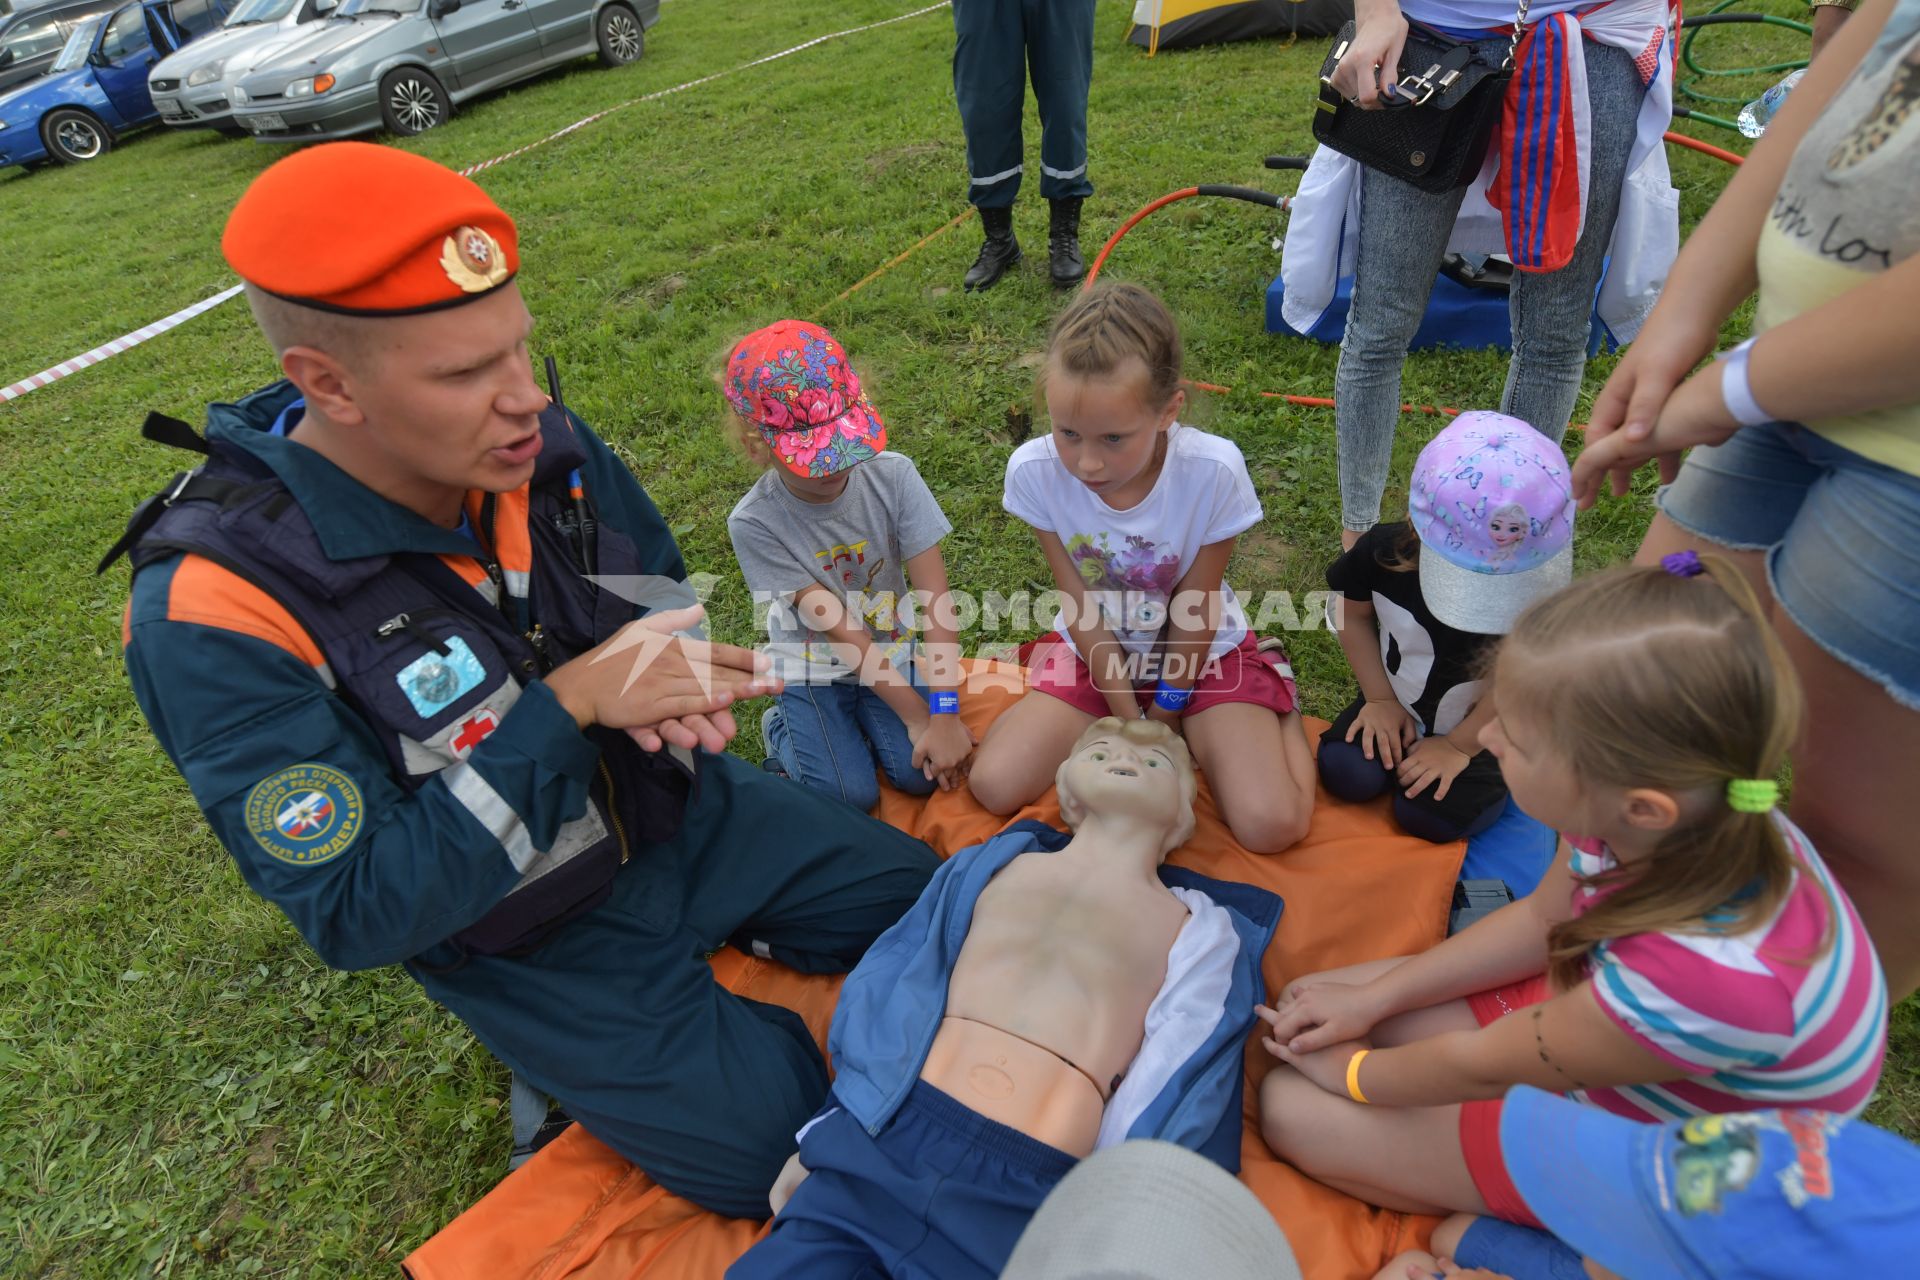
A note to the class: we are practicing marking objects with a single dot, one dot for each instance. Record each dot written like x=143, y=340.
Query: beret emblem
x=472, y=260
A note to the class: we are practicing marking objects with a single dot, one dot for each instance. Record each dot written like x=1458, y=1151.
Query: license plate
x=264, y=121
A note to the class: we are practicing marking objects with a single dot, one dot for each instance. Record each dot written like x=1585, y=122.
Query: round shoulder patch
x=305, y=815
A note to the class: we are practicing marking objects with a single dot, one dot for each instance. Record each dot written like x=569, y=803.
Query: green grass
x=186, y=1090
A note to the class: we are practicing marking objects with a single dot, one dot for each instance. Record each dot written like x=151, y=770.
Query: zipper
x=409, y=624
x=613, y=812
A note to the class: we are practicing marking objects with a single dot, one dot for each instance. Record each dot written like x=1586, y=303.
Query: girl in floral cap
x=1137, y=515
x=828, y=539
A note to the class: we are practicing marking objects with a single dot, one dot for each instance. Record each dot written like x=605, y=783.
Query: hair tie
x=1752, y=795
x=1683, y=564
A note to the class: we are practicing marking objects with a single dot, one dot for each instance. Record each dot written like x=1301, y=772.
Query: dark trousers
x=618, y=1017
x=1474, y=801
x=998, y=44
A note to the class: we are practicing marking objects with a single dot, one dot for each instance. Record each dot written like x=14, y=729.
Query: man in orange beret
x=416, y=640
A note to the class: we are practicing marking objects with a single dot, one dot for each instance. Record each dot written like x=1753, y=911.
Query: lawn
x=186, y=1089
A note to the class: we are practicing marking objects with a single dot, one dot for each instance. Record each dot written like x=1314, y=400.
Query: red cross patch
x=473, y=731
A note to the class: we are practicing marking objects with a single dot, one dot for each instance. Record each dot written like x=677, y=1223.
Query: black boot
x=999, y=252
x=1063, y=243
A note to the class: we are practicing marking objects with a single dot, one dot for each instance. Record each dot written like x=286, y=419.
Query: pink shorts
x=1244, y=673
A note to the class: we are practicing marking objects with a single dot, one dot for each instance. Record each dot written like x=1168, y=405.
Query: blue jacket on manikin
x=1184, y=1086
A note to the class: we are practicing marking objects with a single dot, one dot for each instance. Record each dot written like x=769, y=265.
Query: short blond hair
x=1142, y=733
x=348, y=339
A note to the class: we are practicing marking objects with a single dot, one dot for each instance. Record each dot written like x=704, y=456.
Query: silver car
x=406, y=64
x=190, y=88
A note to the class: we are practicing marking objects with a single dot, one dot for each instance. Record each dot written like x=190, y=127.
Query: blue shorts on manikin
x=940, y=1193
x=996, y=44
x=619, y=1017
x=838, y=737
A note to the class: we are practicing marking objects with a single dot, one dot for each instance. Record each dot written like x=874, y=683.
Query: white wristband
x=1736, y=392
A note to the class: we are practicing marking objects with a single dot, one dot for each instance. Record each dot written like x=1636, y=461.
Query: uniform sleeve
x=1235, y=507
x=1025, y=495
x=1674, y=999
x=919, y=521
x=371, y=874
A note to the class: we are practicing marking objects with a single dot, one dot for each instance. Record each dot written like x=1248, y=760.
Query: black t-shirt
x=1433, y=666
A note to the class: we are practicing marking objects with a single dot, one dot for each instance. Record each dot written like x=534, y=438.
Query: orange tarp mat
x=1355, y=889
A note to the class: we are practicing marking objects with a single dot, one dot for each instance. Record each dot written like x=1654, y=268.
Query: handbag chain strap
x=1519, y=30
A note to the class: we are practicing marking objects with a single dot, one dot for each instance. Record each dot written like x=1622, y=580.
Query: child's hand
x=1312, y=1015
x=942, y=748
x=1432, y=761
x=1385, y=729
x=1325, y=1067
x=1160, y=715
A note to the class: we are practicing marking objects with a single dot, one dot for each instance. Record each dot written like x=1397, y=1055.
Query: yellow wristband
x=1353, y=1075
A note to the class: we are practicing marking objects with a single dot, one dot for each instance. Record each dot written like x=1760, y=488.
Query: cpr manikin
x=985, y=1073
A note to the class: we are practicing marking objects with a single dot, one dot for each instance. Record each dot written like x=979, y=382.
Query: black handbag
x=1434, y=130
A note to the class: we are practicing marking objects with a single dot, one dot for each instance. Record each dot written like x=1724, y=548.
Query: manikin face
x=449, y=398
x=1111, y=775
x=1105, y=431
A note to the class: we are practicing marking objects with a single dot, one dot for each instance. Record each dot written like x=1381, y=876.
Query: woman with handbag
x=1565, y=100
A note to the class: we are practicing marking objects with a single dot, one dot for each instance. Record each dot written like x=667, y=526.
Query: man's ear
x=323, y=380
x=1649, y=809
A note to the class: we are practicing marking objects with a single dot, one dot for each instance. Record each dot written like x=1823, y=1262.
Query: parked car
x=406, y=64
x=190, y=88
x=31, y=39
x=97, y=89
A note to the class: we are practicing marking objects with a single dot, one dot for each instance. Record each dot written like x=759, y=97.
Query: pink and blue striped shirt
x=1754, y=1019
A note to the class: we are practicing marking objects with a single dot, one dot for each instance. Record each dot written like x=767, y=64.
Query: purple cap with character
x=1492, y=503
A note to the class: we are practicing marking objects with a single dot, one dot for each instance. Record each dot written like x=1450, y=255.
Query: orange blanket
x=1355, y=889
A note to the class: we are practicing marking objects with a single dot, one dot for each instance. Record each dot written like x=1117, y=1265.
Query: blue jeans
x=834, y=737
x=1841, y=534
x=1402, y=238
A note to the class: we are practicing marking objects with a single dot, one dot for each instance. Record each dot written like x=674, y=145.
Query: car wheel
x=73, y=135
x=412, y=101
x=622, y=40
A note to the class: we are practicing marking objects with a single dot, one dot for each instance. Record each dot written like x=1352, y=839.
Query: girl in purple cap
x=1425, y=602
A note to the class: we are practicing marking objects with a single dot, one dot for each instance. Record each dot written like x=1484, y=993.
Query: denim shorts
x=1841, y=533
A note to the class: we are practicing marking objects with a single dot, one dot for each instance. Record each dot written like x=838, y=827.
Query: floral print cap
x=1492, y=501
x=792, y=381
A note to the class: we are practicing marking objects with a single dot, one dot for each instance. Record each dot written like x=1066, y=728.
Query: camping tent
x=1181, y=24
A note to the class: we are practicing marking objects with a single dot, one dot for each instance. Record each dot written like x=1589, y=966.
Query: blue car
x=96, y=89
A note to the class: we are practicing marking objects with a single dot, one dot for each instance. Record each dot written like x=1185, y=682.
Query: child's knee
x=998, y=787
x=1418, y=818
x=1446, y=1236
x=1275, y=820
x=1284, y=1098
x=1347, y=774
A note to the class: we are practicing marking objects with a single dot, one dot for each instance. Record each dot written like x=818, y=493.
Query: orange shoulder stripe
x=203, y=592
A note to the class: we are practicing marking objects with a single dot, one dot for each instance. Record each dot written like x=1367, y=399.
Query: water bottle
x=1755, y=115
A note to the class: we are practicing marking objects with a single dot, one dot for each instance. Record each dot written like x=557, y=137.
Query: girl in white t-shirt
x=1137, y=515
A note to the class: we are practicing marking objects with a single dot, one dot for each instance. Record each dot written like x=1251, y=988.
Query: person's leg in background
x=1060, y=60
x=1402, y=238
x=818, y=741
x=1552, y=311
x=990, y=84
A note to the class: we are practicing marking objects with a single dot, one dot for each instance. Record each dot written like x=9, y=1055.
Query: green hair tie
x=1752, y=795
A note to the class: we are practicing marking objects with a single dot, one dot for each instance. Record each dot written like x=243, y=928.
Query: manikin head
x=1135, y=769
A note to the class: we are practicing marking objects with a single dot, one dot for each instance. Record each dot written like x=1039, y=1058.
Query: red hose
x=1100, y=259
x=1704, y=148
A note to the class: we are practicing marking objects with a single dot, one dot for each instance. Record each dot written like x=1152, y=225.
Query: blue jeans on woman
x=837, y=737
x=1403, y=237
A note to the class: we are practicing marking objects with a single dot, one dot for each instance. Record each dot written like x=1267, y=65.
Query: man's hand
x=1385, y=729
x=1313, y=1014
x=1432, y=761
x=1372, y=65
x=646, y=678
x=942, y=749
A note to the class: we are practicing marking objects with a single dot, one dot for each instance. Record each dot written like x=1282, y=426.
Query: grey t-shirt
x=857, y=545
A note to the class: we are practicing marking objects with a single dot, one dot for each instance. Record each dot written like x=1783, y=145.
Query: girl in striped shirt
x=1687, y=953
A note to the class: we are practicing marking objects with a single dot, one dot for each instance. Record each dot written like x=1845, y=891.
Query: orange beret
x=361, y=229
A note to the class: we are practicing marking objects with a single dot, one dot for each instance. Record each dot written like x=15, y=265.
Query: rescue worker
x=995, y=44
x=387, y=633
